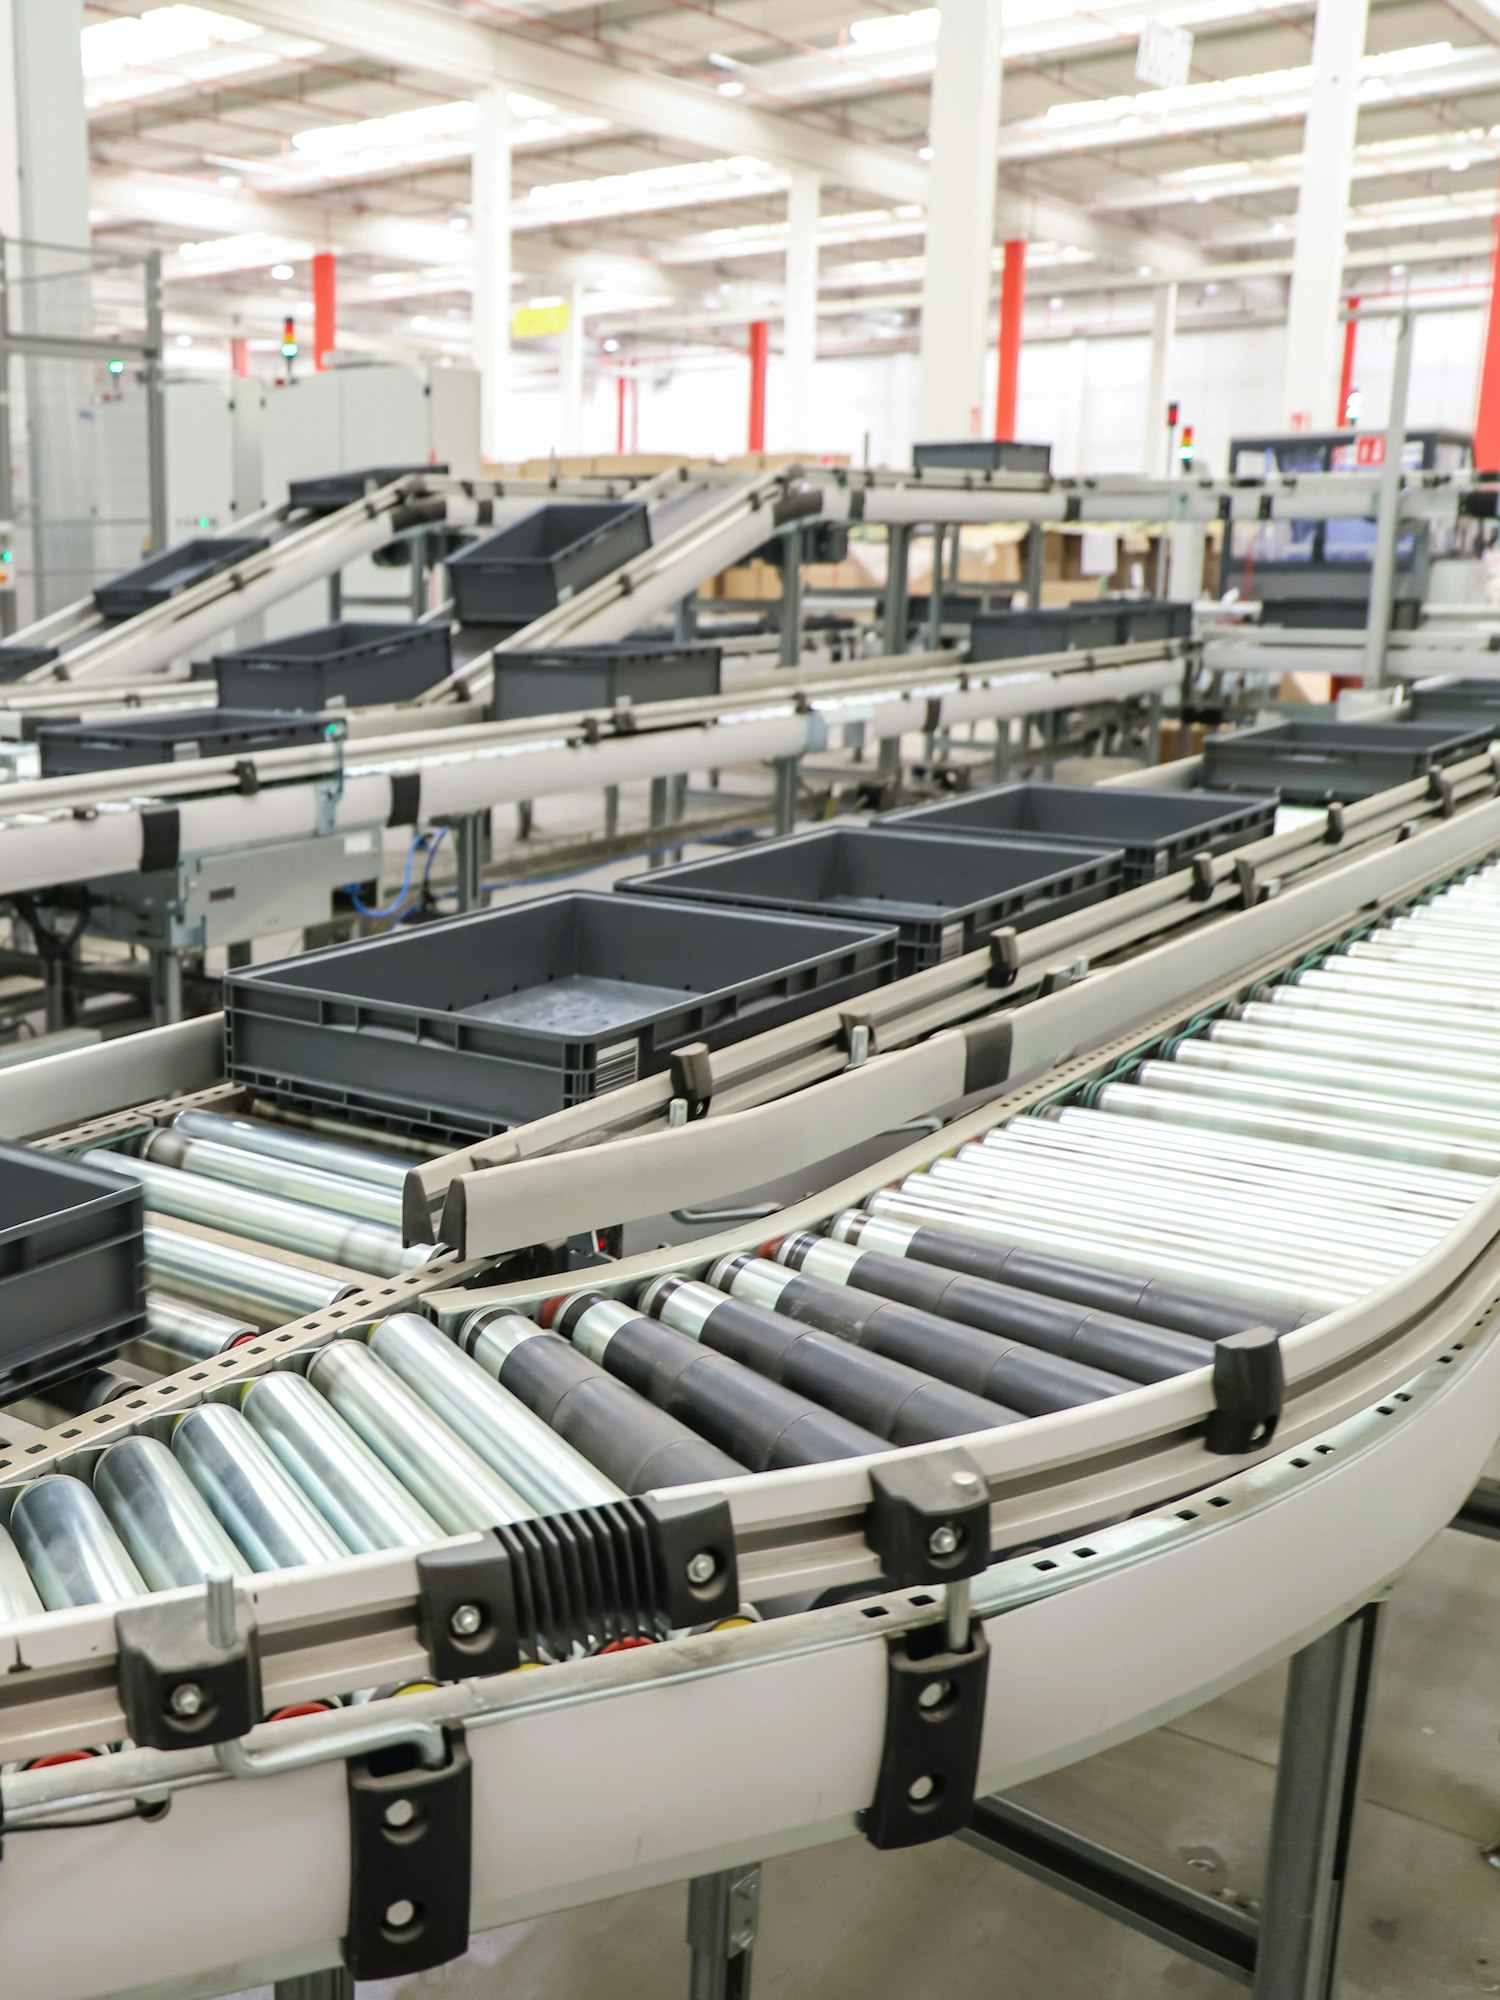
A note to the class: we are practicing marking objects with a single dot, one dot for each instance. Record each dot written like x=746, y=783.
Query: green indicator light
x=116, y=366
x=289, y=349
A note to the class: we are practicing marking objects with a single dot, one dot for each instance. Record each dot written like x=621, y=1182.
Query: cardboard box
x=1058, y=591
x=753, y=580
x=1175, y=742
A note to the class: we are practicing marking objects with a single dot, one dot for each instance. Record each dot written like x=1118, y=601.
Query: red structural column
x=1346, y=373
x=622, y=393
x=1012, y=302
x=325, y=308
x=1487, y=417
x=760, y=354
x=239, y=356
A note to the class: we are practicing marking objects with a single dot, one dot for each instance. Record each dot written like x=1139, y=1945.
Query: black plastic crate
x=1313, y=762
x=574, y=677
x=982, y=455
x=459, y=1029
x=1010, y=635
x=1156, y=832
x=329, y=491
x=545, y=558
x=352, y=665
x=941, y=898
x=76, y=747
x=72, y=1267
x=152, y=582
x=16, y=660
x=1459, y=704
x=1152, y=618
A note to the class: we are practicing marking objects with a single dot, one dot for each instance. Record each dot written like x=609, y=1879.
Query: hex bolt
x=943, y=1541
x=466, y=1621
x=920, y=1789
x=399, y=1914
x=702, y=1568
x=400, y=1812
x=186, y=1699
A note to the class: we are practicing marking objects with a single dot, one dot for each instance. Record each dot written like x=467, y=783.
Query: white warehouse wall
x=1083, y=395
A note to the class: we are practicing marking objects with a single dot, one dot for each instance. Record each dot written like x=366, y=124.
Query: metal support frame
x=1291, y=1951
x=166, y=988
x=723, y=1916
x=335, y=596
x=935, y=596
x=417, y=547
x=468, y=856
x=898, y=551
x=156, y=404
x=335, y=1984
x=685, y=619
x=656, y=814
x=1036, y=559
x=789, y=615
x=786, y=769
x=1388, y=518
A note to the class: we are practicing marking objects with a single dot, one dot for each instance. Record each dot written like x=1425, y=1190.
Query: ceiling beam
x=470, y=56
x=202, y=212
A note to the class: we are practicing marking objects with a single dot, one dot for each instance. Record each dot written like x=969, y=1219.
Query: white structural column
x=571, y=371
x=490, y=205
x=44, y=199
x=1313, y=332
x=958, y=276
x=797, y=426
x=1155, y=445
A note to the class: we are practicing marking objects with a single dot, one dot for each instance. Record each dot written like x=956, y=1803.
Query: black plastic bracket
x=467, y=1609
x=1005, y=957
x=691, y=1071
x=934, y=1727
x=1440, y=787
x=1335, y=830
x=161, y=839
x=929, y=1518
x=1249, y=1389
x=410, y=1862
x=406, y=799
x=932, y=716
x=246, y=778
x=177, y=1686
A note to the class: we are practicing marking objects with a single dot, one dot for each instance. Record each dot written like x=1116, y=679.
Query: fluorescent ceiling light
x=282, y=273
x=252, y=251
x=895, y=31
x=168, y=48
x=649, y=188
x=731, y=89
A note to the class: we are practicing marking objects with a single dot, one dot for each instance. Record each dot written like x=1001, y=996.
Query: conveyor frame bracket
x=1336, y=827
x=411, y=1839
x=467, y=1609
x=1249, y=1387
x=1205, y=881
x=1440, y=787
x=691, y=1071
x=178, y=1686
x=857, y=1036
x=1005, y=957
x=934, y=1727
x=929, y=1518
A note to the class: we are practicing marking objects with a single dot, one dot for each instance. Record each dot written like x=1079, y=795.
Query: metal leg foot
x=723, y=1915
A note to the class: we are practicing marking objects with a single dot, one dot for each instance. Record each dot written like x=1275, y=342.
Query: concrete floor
x=846, y=1923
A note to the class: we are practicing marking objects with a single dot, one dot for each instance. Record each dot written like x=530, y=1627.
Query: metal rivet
x=400, y=1812
x=702, y=1568
x=400, y=1914
x=934, y=1694
x=920, y=1789
x=943, y=1541
x=966, y=1482
x=466, y=1621
x=187, y=1699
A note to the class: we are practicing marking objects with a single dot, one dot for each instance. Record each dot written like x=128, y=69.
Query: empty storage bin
x=463, y=1028
x=1156, y=832
x=75, y=747
x=545, y=558
x=16, y=660
x=329, y=491
x=352, y=665
x=1315, y=762
x=982, y=455
x=1459, y=704
x=72, y=1267
x=574, y=677
x=941, y=898
x=152, y=582
x=1010, y=635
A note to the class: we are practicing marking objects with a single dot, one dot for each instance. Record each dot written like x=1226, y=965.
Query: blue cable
x=351, y=889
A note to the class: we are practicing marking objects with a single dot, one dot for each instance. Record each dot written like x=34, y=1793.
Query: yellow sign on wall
x=534, y=322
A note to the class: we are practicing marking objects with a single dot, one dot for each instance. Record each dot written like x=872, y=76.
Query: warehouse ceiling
x=653, y=144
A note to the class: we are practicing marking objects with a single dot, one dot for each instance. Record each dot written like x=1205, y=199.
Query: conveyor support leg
x=789, y=612
x=723, y=1914
x=1036, y=560
x=332, y=1985
x=898, y=546
x=1317, y=1789
x=657, y=815
x=467, y=857
x=166, y=988
x=786, y=794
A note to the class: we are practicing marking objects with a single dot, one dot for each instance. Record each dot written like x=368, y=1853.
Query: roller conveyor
x=1035, y=1296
